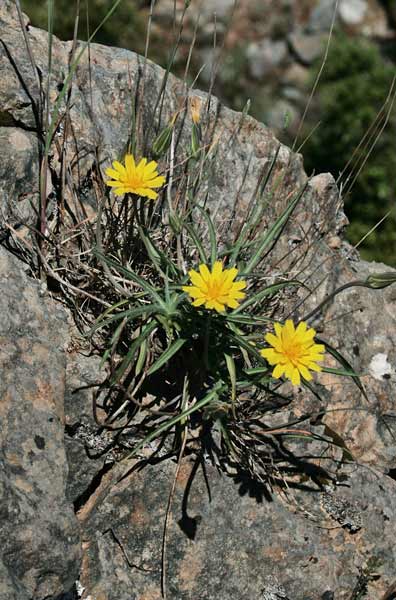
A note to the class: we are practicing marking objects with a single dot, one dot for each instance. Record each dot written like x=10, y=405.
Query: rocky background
x=269, y=52
x=69, y=528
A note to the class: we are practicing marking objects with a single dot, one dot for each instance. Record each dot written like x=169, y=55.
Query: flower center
x=293, y=352
x=214, y=290
x=134, y=181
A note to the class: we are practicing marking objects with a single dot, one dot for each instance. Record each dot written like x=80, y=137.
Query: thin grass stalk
x=374, y=143
x=319, y=75
x=368, y=133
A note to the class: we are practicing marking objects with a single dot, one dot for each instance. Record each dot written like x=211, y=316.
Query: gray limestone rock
x=265, y=56
x=241, y=541
x=307, y=47
x=352, y=12
x=227, y=540
x=321, y=16
x=40, y=538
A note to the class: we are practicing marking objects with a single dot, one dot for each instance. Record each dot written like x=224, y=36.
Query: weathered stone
x=371, y=315
x=265, y=56
x=352, y=12
x=248, y=543
x=20, y=192
x=321, y=16
x=229, y=541
x=40, y=537
x=307, y=47
x=281, y=114
x=85, y=447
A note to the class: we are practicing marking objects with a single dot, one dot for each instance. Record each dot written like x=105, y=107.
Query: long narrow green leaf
x=273, y=233
x=219, y=386
x=202, y=255
x=248, y=319
x=242, y=343
x=110, y=310
x=159, y=259
x=255, y=216
x=113, y=342
x=146, y=331
x=271, y=289
x=347, y=366
x=132, y=313
x=342, y=372
x=257, y=371
x=132, y=276
x=141, y=358
x=167, y=355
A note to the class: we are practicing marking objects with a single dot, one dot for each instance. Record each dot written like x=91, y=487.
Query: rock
x=321, y=17
x=85, y=443
x=21, y=192
x=265, y=56
x=352, y=12
x=304, y=547
x=281, y=115
x=307, y=48
x=319, y=541
x=296, y=76
x=40, y=538
x=372, y=353
x=219, y=8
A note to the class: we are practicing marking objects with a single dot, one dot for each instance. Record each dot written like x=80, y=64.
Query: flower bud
x=378, y=281
x=163, y=140
x=195, y=140
x=195, y=109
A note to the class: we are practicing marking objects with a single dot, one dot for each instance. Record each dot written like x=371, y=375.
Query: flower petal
x=217, y=269
x=274, y=341
x=130, y=165
x=156, y=182
x=120, y=168
x=194, y=292
x=114, y=183
x=232, y=303
x=295, y=378
x=278, y=330
x=278, y=371
x=205, y=273
x=150, y=167
x=304, y=372
x=196, y=279
x=199, y=301
x=112, y=173
x=146, y=192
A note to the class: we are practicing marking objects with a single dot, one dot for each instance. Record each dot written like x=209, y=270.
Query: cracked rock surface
x=229, y=539
x=40, y=550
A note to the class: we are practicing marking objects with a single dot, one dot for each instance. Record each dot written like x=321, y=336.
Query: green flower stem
x=335, y=293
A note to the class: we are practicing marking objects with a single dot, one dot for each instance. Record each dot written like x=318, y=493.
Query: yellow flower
x=135, y=179
x=216, y=289
x=293, y=351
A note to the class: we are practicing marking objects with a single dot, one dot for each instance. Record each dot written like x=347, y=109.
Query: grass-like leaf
x=166, y=355
x=271, y=289
x=273, y=233
x=126, y=362
x=216, y=390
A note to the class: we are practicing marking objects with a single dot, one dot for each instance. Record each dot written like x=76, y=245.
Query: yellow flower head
x=216, y=289
x=293, y=351
x=135, y=179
